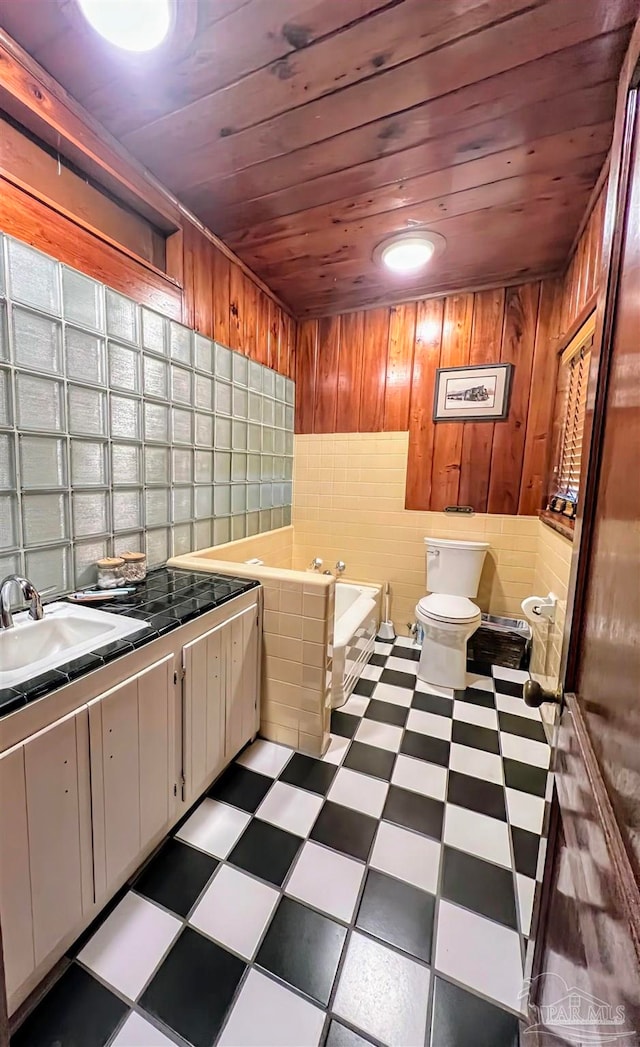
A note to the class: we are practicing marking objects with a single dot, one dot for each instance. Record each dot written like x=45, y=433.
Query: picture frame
x=472, y=394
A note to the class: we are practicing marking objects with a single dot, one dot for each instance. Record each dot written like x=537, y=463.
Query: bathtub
x=357, y=615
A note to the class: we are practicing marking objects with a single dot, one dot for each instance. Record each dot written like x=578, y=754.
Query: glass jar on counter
x=110, y=572
x=135, y=567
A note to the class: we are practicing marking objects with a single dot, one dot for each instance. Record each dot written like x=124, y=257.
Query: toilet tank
x=454, y=567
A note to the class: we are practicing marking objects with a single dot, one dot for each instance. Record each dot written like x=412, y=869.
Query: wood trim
x=32, y=97
x=556, y=522
x=598, y=188
x=567, y=337
x=27, y=219
x=612, y=247
x=446, y=291
x=580, y=793
x=4, y=1017
x=545, y=895
x=39, y=103
x=98, y=233
x=174, y=257
x=625, y=881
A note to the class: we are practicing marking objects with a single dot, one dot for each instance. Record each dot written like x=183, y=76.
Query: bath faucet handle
x=316, y=563
x=341, y=567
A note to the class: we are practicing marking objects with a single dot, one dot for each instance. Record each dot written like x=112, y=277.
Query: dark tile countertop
x=167, y=599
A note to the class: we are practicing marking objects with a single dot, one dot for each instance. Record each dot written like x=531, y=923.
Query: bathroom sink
x=66, y=631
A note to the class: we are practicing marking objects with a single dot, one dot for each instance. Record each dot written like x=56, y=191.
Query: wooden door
x=203, y=722
x=586, y=960
x=242, y=682
x=132, y=769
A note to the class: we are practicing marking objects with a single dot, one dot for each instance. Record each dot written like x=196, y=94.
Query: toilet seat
x=452, y=609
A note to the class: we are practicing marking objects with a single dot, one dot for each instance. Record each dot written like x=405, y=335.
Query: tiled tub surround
x=349, y=497
x=121, y=429
x=380, y=896
x=274, y=548
x=296, y=640
x=165, y=601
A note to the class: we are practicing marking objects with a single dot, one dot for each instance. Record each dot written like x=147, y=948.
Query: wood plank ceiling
x=305, y=131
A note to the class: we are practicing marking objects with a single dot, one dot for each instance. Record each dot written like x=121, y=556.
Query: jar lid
x=109, y=562
x=134, y=557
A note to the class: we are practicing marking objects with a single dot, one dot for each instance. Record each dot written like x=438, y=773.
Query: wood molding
x=4, y=1018
x=567, y=337
x=400, y=298
x=557, y=523
x=598, y=188
x=625, y=881
x=92, y=229
x=606, y=283
x=30, y=220
x=36, y=100
x=33, y=98
x=174, y=248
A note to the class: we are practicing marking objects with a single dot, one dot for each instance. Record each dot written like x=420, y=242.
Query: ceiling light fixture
x=133, y=25
x=407, y=253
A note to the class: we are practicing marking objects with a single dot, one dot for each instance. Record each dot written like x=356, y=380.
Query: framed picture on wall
x=471, y=394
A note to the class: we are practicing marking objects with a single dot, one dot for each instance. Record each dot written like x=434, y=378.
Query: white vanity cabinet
x=220, y=697
x=133, y=772
x=46, y=874
x=94, y=775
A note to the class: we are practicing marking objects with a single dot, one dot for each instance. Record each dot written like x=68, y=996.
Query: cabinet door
x=46, y=876
x=59, y=815
x=242, y=681
x=131, y=728
x=15, y=877
x=204, y=667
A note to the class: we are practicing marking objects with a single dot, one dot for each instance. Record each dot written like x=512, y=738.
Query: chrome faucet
x=29, y=592
x=315, y=564
x=341, y=567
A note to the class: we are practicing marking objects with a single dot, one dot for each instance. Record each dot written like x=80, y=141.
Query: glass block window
x=122, y=429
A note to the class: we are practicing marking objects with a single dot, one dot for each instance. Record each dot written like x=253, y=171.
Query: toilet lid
x=448, y=608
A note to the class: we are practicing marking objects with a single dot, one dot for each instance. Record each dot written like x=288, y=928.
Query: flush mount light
x=407, y=253
x=133, y=25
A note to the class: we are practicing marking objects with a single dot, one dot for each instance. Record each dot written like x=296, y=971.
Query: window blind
x=572, y=384
x=571, y=449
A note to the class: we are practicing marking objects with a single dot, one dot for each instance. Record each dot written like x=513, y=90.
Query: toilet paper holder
x=537, y=607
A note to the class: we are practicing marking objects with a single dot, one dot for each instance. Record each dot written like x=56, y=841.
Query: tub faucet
x=341, y=567
x=29, y=592
x=315, y=564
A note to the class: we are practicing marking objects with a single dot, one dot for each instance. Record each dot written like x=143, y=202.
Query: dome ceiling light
x=133, y=25
x=408, y=253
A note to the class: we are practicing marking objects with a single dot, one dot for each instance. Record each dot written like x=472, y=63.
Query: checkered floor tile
x=380, y=895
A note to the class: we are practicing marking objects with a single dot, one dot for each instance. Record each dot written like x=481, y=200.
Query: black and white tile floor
x=380, y=895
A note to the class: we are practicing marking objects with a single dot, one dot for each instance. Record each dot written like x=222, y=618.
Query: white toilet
x=448, y=616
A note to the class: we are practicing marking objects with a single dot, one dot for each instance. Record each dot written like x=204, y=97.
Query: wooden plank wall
x=222, y=302
x=374, y=371
x=209, y=292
